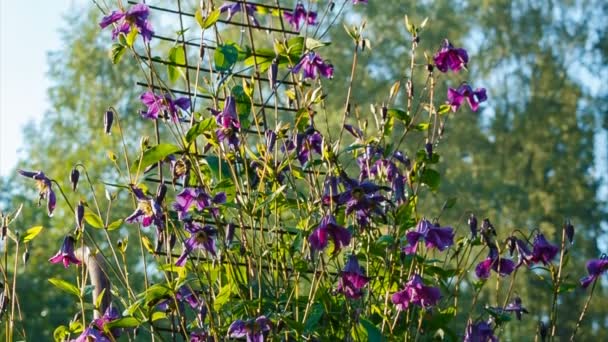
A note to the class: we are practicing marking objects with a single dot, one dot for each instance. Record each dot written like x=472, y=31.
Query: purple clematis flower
x=542, y=250
x=595, y=267
x=434, y=237
x=45, y=189
x=416, y=293
x=228, y=122
x=92, y=334
x=329, y=229
x=253, y=329
x=449, y=57
x=473, y=97
x=66, y=253
x=148, y=210
x=200, y=238
x=523, y=252
x=196, y=198
x=199, y=336
x=516, y=307
x=502, y=266
x=136, y=16
x=479, y=332
x=300, y=15
x=312, y=65
x=362, y=198
x=163, y=106
x=353, y=279
x=233, y=8
x=306, y=143
x=111, y=314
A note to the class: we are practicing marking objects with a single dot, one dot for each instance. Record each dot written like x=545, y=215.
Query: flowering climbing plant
x=258, y=214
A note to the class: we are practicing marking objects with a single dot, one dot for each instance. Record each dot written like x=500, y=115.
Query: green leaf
x=130, y=38
x=373, y=333
x=158, y=315
x=449, y=203
x=222, y=297
x=219, y=168
x=31, y=233
x=312, y=44
x=199, y=128
x=65, y=286
x=400, y=115
x=125, y=322
x=243, y=105
x=224, y=57
x=60, y=333
x=155, y=154
x=93, y=219
x=422, y=126
x=313, y=319
x=116, y=52
x=207, y=22
x=176, y=56
x=116, y=224
x=431, y=178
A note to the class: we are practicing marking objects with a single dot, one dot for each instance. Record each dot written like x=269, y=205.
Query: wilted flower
x=542, y=250
x=595, y=267
x=234, y=8
x=415, y=292
x=196, y=198
x=66, y=253
x=502, y=266
x=228, y=122
x=45, y=190
x=148, y=210
x=253, y=329
x=449, y=57
x=434, y=237
x=136, y=16
x=352, y=279
x=479, y=332
x=313, y=65
x=200, y=238
x=163, y=106
x=300, y=15
x=473, y=97
x=329, y=229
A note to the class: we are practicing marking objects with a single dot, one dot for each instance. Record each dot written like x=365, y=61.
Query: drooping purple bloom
x=329, y=229
x=473, y=97
x=449, y=57
x=500, y=265
x=228, y=122
x=45, y=190
x=416, y=293
x=254, y=329
x=479, y=332
x=163, y=106
x=136, y=16
x=74, y=176
x=595, y=267
x=201, y=237
x=233, y=8
x=199, y=336
x=312, y=65
x=542, y=250
x=197, y=198
x=434, y=237
x=516, y=307
x=306, y=143
x=66, y=253
x=362, y=198
x=524, y=254
x=352, y=279
x=299, y=16
x=92, y=334
x=148, y=210
x=569, y=231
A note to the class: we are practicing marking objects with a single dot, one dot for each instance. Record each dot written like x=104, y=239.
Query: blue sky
x=28, y=30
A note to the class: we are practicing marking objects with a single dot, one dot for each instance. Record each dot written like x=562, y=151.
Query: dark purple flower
x=253, y=329
x=434, y=237
x=398, y=189
x=312, y=65
x=92, y=334
x=45, y=190
x=569, y=231
x=472, y=221
x=523, y=252
x=542, y=250
x=196, y=198
x=228, y=122
x=516, y=307
x=473, y=97
x=329, y=229
x=595, y=267
x=79, y=214
x=74, y=176
x=502, y=266
x=416, y=293
x=199, y=336
x=66, y=253
x=136, y=16
x=148, y=210
x=200, y=238
x=449, y=57
x=163, y=106
x=233, y=8
x=300, y=15
x=362, y=198
x=479, y=332
x=307, y=142
x=352, y=279
x=111, y=314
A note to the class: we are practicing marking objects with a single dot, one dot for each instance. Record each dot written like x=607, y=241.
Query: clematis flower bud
x=74, y=176
x=273, y=72
x=26, y=256
x=473, y=225
x=570, y=232
x=79, y=215
x=108, y=120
